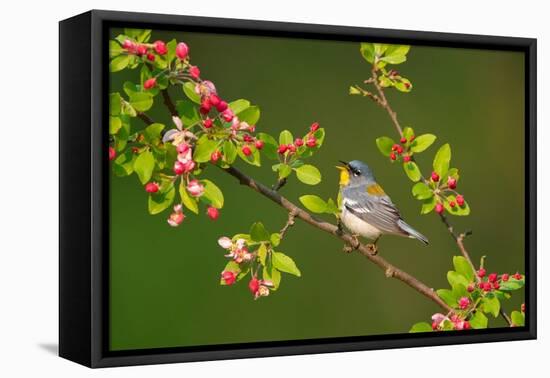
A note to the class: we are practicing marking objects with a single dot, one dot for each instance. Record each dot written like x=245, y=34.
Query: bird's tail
x=412, y=232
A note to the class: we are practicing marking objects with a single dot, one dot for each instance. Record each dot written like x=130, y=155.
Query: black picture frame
x=84, y=200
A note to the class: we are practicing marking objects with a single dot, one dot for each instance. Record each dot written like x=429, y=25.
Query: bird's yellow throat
x=344, y=176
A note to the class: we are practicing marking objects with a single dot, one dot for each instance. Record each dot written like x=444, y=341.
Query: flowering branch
x=470, y=300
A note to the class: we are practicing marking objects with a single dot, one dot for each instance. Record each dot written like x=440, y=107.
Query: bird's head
x=355, y=173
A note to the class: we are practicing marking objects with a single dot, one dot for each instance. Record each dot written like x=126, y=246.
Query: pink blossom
x=225, y=242
x=195, y=188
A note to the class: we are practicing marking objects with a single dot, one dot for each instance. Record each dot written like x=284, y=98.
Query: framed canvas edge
x=100, y=357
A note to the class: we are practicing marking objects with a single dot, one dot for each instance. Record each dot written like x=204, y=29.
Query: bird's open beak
x=345, y=166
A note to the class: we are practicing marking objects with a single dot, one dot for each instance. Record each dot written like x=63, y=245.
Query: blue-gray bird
x=366, y=209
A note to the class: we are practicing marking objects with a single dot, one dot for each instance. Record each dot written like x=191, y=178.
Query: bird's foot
x=340, y=230
x=355, y=244
x=373, y=249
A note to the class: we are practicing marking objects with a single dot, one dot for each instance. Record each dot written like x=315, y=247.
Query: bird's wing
x=378, y=211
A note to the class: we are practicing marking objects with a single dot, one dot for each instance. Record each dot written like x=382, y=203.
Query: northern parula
x=366, y=209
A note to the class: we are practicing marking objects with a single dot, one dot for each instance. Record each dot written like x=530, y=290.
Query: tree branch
x=169, y=103
x=145, y=118
x=389, y=269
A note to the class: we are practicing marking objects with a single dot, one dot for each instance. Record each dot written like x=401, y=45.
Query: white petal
x=177, y=122
x=225, y=242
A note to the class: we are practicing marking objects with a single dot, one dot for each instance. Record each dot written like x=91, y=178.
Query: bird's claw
x=373, y=249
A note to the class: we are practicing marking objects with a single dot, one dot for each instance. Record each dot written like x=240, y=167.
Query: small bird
x=366, y=209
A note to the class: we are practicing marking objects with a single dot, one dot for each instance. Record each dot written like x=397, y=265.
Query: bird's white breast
x=359, y=226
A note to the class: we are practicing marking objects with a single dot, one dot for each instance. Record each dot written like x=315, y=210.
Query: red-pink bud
x=112, y=153
x=435, y=177
x=152, y=187
x=182, y=50
x=523, y=307
x=229, y=277
x=291, y=148
x=216, y=155
x=393, y=156
x=439, y=208
x=282, y=148
x=207, y=123
x=128, y=44
x=299, y=142
x=399, y=150
x=311, y=142
x=195, y=72
x=247, y=151
x=518, y=276
x=195, y=188
x=464, y=302
x=471, y=287
x=451, y=183
x=452, y=203
x=222, y=106
x=151, y=57
x=150, y=83
x=505, y=277
x=314, y=127
x=492, y=277
x=141, y=50
x=259, y=144
x=179, y=167
x=460, y=200
x=182, y=148
x=466, y=325
x=160, y=47
x=403, y=140
x=254, y=285
x=406, y=158
x=227, y=115
x=215, y=100
x=481, y=272
x=212, y=212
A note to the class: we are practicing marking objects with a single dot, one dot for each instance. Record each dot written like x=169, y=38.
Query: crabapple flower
x=194, y=72
x=463, y=303
x=182, y=50
x=229, y=277
x=176, y=217
x=195, y=188
x=160, y=47
x=225, y=242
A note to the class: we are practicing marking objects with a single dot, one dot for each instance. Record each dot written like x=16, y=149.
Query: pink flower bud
x=259, y=144
x=229, y=277
x=179, y=167
x=254, y=285
x=481, y=272
x=207, y=123
x=460, y=200
x=160, y=47
x=212, y=212
x=194, y=72
x=141, y=50
x=492, y=277
x=247, y=150
x=439, y=208
x=227, y=115
x=112, y=153
x=311, y=142
x=176, y=217
x=314, y=127
x=451, y=183
x=195, y=188
x=505, y=277
x=150, y=83
x=216, y=155
x=182, y=50
x=435, y=177
x=463, y=303
x=299, y=142
x=215, y=100
x=151, y=57
x=152, y=187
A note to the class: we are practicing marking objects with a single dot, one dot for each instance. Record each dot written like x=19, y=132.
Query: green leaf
x=479, y=320
x=275, y=239
x=314, y=204
x=262, y=253
x=229, y=152
x=141, y=101
x=385, y=144
x=204, y=149
x=428, y=205
x=274, y=277
x=308, y=174
x=171, y=54
x=270, y=145
x=152, y=132
x=160, y=201
x=124, y=163
x=442, y=160
x=115, y=124
x=250, y=115
x=187, y=200
x=396, y=54
x=286, y=137
x=114, y=104
x=408, y=132
x=421, y=191
x=189, y=90
x=422, y=142
x=462, y=266
x=238, y=106
x=115, y=49
x=212, y=194
x=119, y=63
x=421, y=327
x=253, y=159
x=285, y=264
x=367, y=51
x=259, y=233
x=188, y=112
x=403, y=85
x=456, y=210
x=144, y=165
x=412, y=171
x=455, y=278
x=518, y=318
x=491, y=306
x=332, y=207
x=448, y=297
x=512, y=284
x=284, y=170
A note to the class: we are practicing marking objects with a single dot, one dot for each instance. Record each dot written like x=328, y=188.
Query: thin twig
x=279, y=184
x=288, y=224
x=145, y=118
x=506, y=317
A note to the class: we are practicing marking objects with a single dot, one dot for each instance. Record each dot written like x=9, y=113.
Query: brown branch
x=384, y=102
x=169, y=103
x=145, y=118
x=389, y=269
x=288, y=224
x=279, y=184
x=506, y=317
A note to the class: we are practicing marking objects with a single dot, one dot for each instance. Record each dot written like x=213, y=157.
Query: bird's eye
x=356, y=172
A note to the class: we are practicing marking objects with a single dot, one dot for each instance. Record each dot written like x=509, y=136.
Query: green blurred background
x=164, y=282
